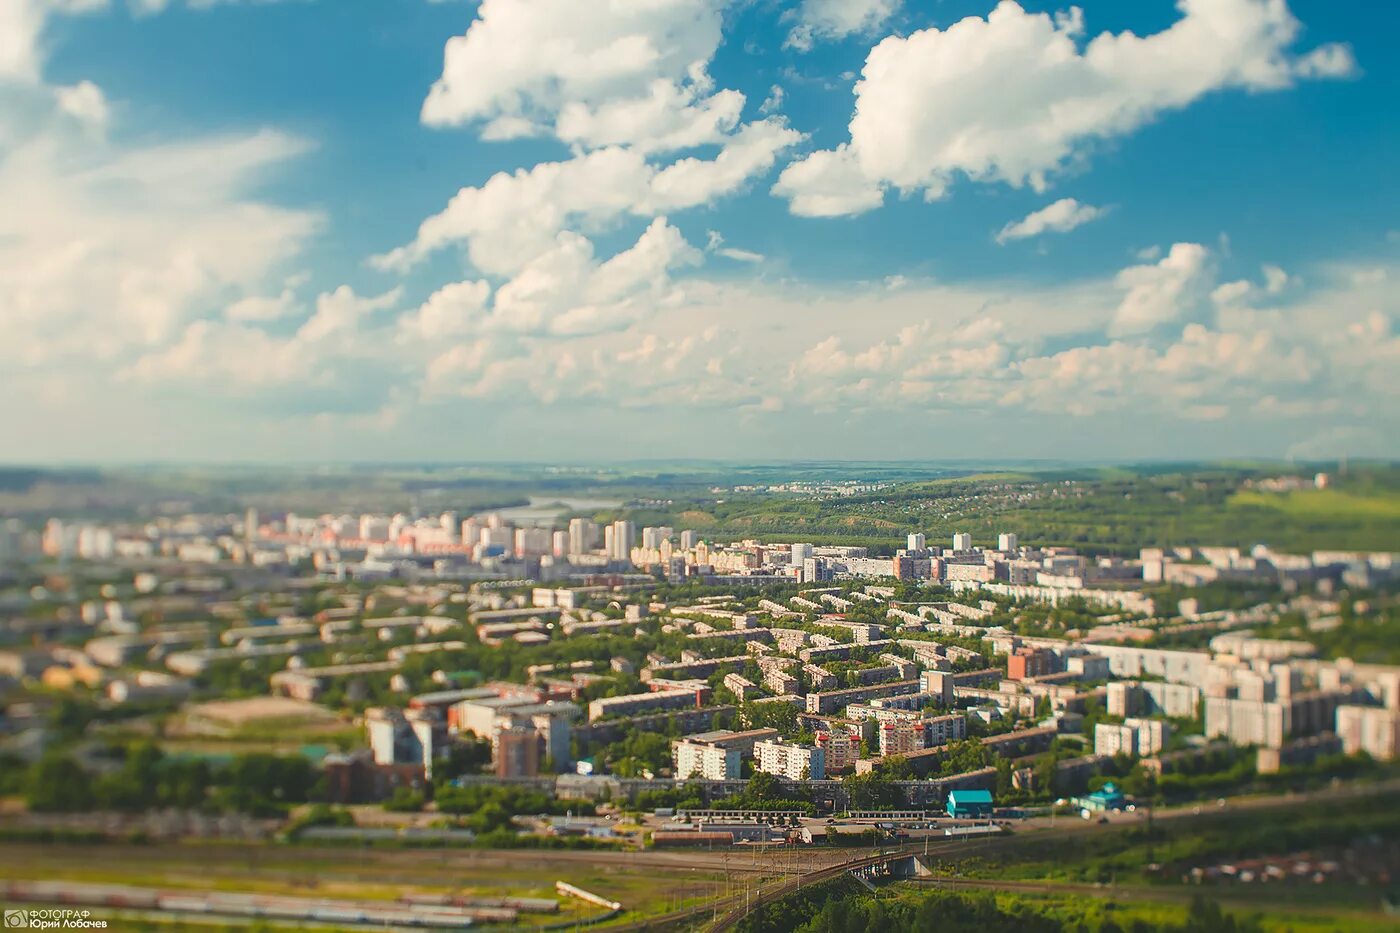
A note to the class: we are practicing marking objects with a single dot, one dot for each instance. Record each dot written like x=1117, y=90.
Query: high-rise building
x=390, y=739
x=515, y=750
x=1152, y=734
x=939, y=685
x=396, y=737
x=583, y=535
x=962, y=541
x=471, y=532
x=501, y=537
x=1372, y=730
x=1248, y=722
x=1134, y=737
x=533, y=542
x=689, y=539
x=1006, y=542
x=800, y=552
x=916, y=541
x=624, y=539
x=652, y=537
x=1113, y=739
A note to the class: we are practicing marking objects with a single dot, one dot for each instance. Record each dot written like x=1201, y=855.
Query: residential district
x=422, y=668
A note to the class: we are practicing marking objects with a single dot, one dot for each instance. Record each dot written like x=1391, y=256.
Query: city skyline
x=703, y=229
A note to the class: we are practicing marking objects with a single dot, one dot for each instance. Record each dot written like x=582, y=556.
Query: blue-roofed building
x=969, y=804
x=1109, y=797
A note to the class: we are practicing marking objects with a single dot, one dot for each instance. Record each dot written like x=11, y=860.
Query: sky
x=436, y=230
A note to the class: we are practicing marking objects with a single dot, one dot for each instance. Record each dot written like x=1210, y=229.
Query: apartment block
x=902, y=737
x=832, y=700
x=1372, y=730
x=634, y=703
x=794, y=762
x=713, y=762
x=1025, y=663
x=840, y=748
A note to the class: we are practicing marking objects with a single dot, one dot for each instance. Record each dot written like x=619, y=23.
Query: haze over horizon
x=418, y=231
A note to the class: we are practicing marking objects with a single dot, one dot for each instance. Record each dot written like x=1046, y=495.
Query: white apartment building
x=1248, y=722
x=583, y=535
x=624, y=538
x=780, y=681
x=794, y=762
x=1114, y=739
x=1134, y=737
x=1369, y=729
x=705, y=760
x=1152, y=735
x=940, y=730
x=1128, y=698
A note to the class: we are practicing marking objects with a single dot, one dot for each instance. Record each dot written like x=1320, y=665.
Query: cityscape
x=547, y=680
x=692, y=466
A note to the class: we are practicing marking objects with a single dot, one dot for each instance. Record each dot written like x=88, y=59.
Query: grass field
x=1124, y=906
x=1330, y=504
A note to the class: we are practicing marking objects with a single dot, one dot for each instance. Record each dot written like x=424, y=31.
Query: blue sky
x=402, y=229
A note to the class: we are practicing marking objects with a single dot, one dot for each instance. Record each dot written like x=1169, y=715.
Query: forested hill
x=1107, y=511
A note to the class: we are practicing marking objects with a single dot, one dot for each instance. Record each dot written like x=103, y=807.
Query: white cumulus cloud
x=1161, y=292
x=837, y=19
x=1060, y=217
x=523, y=61
x=1015, y=96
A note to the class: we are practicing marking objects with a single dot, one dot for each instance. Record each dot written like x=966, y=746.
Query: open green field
x=1125, y=906
x=1323, y=504
x=1109, y=510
